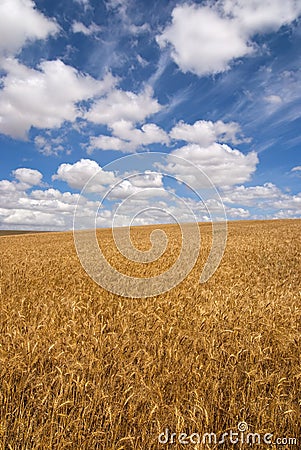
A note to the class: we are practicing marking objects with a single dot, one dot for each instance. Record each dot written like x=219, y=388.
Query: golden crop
x=81, y=368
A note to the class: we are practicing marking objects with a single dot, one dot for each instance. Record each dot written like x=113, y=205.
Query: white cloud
x=206, y=39
x=148, y=179
x=256, y=16
x=147, y=184
x=126, y=188
x=77, y=175
x=143, y=62
x=44, y=98
x=84, y=3
x=21, y=22
x=79, y=27
x=286, y=214
x=104, y=142
x=273, y=99
x=237, y=213
x=203, y=42
x=205, y=133
x=120, y=7
x=24, y=218
x=207, y=150
x=296, y=169
x=49, y=146
x=292, y=202
x=123, y=105
x=49, y=201
x=11, y=193
x=126, y=138
x=222, y=164
x=22, y=206
x=34, y=209
x=28, y=176
x=251, y=195
x=267, y=198
x=120, y=111
x=50, y=209
x=162, y=64
x=47, y=209
x=55, y=194
x=149, y=133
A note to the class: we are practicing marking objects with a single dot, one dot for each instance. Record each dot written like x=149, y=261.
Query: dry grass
x=85, y=369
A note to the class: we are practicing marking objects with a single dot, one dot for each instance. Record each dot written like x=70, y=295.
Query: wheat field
x=81, y=368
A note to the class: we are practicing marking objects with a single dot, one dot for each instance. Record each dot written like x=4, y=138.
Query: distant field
x=13, y=232
x=81, y=368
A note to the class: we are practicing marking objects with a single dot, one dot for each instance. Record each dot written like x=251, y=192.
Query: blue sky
x=84, y=82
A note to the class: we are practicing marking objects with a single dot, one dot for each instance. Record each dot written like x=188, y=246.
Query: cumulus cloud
x=206, y=39
x=268, y=199
x=44, y=97
x=256, y=16
x=148, y=179
x=126, y=188
x=30, y=177
x=123, y=105
x=237, y=213
x=26, y=218
x=285, y=202
x=49, y=209
x=104, y=142
x=251, y=195
x=120, y=111
x=127, y=139
x=54, y=194
x=23, y=206
x=78, y=174
x=201, y=41
x=21, y=22
x=12, y=192
x=222, y=164
x=205, y=133
x=207, y=149
x=148, y=184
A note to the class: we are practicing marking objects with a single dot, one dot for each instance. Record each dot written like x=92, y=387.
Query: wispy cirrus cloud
x=296, y=169
x=79, y=27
